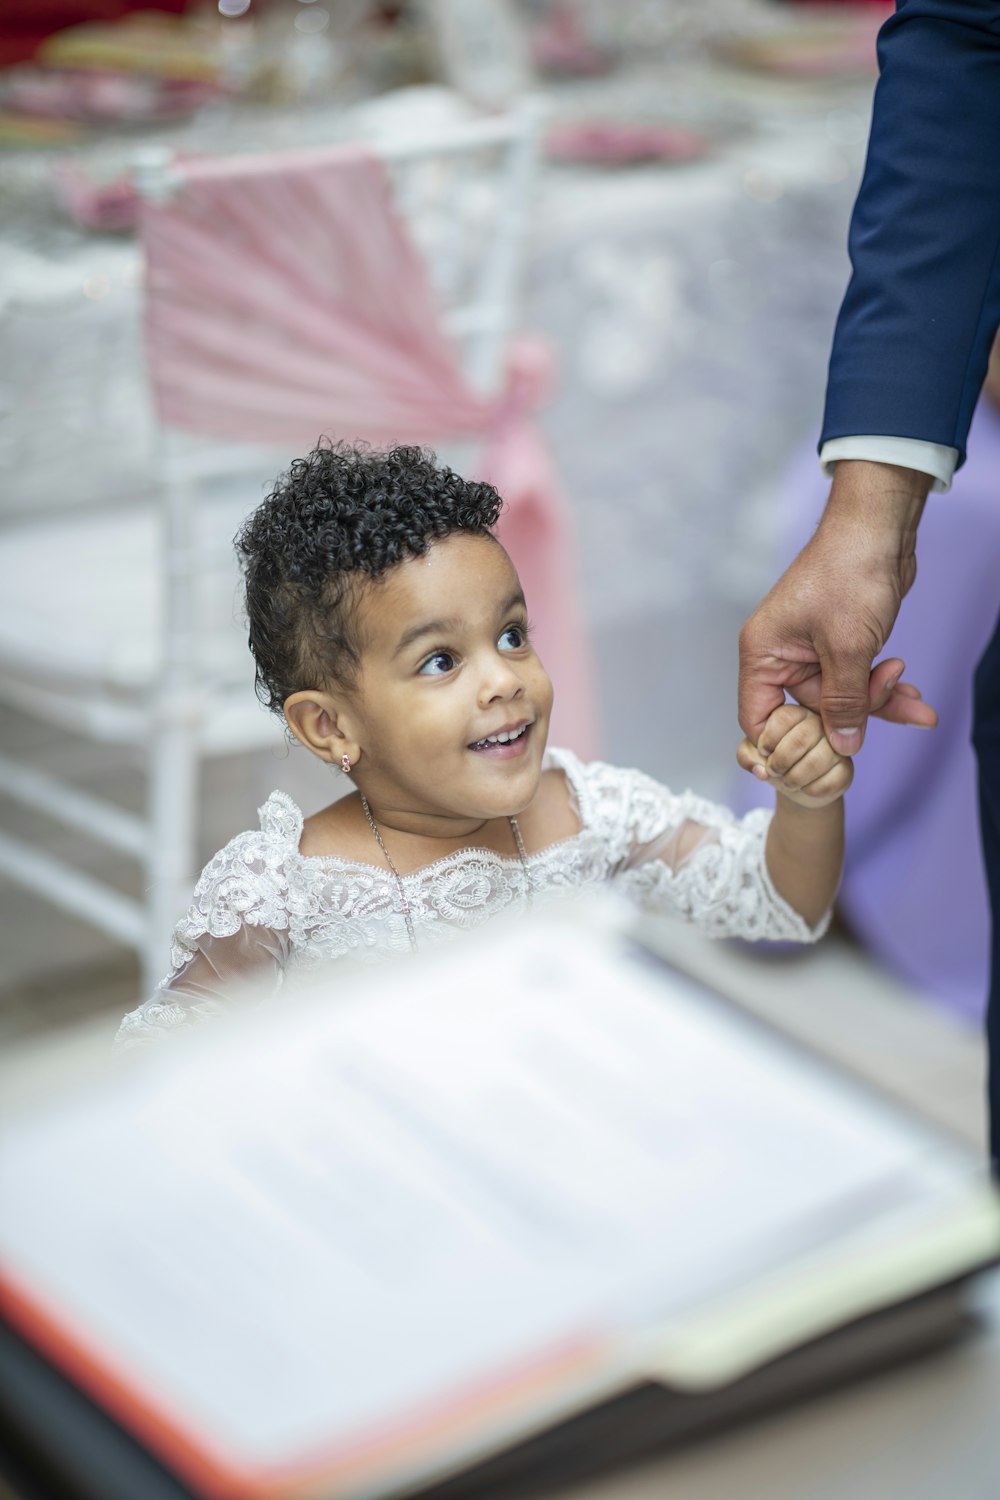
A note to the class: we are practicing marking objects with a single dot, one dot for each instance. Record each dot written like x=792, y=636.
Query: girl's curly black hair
x=344, y=513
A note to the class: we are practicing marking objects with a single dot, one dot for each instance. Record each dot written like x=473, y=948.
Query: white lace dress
x=262, y=908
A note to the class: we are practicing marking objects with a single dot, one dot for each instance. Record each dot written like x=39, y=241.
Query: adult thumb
x=844, y=701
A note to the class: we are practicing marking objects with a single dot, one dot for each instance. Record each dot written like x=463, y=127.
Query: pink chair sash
x=285, y=300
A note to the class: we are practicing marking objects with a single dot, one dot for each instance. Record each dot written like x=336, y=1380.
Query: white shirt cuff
x=908, y=453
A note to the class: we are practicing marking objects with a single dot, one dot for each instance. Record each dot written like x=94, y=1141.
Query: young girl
x=389, y=628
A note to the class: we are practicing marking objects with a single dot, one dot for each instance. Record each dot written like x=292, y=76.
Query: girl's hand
x=795, y=756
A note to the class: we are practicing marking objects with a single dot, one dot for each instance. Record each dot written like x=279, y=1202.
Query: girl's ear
x=320, y=723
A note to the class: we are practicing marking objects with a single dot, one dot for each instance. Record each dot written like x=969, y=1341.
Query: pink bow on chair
x=285, y=300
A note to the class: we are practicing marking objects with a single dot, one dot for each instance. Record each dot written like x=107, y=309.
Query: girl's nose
x=500, y=683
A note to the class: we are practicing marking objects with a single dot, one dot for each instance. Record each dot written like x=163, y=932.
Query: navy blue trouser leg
x=986, y=738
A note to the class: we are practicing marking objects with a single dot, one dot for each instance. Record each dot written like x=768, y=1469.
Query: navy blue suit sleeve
x=923, y=303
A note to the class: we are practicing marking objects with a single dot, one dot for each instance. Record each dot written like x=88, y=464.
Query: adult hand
x=817, y=633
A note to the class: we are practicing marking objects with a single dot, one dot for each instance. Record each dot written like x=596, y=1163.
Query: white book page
x=337, y=1220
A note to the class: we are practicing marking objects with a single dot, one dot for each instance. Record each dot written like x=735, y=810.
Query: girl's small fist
x=794, y=755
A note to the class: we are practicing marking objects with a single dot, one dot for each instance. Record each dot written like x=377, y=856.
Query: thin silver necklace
x=404, y=903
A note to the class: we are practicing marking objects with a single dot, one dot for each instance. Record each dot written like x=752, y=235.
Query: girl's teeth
x=503, y=739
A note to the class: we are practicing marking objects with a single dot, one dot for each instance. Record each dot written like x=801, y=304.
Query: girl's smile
x=505, y=743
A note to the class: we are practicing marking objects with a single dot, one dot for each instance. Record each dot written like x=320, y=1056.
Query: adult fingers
x=882, y=679
x=771, y=658
x=844, y=702
x=759, y=696
x=895, y=701
x=903, y=705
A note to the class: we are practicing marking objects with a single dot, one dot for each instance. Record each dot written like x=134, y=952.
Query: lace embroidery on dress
x=261, y=907
x=246, y=882
x=722, y=884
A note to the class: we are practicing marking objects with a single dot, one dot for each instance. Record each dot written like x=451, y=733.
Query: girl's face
x=446, y=667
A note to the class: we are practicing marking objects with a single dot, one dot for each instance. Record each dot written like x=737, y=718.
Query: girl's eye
x=438, y=664
x=513, y=638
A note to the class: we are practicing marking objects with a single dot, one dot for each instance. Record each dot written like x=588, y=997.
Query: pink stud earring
x=345, y=764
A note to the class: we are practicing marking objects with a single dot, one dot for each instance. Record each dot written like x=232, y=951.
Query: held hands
x=795, y=756
x=820, y=628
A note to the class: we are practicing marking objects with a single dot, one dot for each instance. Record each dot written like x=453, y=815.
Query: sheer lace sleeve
x=680, y=854
x=233, y=941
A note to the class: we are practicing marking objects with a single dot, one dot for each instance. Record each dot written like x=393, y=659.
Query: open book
x=360, y=1241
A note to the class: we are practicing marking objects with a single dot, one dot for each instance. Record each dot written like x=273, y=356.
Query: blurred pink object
x=285, y=300
x=560, y=44
x=109, y=205
x=101, y=95
x=618, y=143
